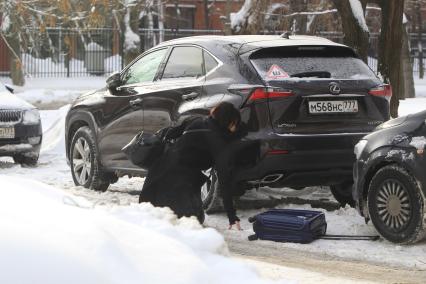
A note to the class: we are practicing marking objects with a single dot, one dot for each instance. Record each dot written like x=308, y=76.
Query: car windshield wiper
x=318, y=74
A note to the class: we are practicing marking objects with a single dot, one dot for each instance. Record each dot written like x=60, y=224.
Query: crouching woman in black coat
x=176, y=178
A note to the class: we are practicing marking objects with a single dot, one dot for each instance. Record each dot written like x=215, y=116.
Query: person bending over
x=200, y=143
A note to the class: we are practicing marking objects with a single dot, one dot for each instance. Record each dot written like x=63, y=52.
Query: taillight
x=382, y=91
x=265, y=93
x=276, y=152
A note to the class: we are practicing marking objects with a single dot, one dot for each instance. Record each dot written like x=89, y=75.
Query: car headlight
x=359, y=148
x=31, y=117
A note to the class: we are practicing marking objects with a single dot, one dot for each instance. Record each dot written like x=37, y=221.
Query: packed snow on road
x=54, y=232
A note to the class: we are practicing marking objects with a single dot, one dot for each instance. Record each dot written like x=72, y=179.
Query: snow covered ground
x=49, y=236
x=201, y=247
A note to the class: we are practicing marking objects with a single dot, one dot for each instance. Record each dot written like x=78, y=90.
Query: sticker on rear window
x=276, y=73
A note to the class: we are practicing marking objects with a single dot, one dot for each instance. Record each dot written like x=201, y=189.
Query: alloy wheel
x=82, y=160
x=206, y=186
x=394, y=205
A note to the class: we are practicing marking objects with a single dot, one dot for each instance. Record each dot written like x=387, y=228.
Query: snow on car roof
x=11, y=101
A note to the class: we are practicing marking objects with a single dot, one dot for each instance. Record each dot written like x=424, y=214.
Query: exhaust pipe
x=268, y=179
x=272, y=178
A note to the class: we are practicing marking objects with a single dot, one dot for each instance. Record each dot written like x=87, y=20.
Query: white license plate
x=348, y=106
x=7, y=132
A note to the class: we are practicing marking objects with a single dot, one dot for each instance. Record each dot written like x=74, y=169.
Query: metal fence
x=97, y=52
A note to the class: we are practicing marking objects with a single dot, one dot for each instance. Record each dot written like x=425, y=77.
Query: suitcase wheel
x=253, y=237
x=252, y=219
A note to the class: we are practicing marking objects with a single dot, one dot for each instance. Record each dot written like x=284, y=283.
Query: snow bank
x=54, y=133
x=47, y=236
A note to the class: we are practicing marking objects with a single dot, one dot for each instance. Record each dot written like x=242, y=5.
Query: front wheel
x=396, y=205
x=343, y=194
x=85, y=166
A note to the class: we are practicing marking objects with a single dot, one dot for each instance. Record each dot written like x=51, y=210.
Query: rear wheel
x=85, y=167
x=396, y=205
x=210, y=194
x=343, y=194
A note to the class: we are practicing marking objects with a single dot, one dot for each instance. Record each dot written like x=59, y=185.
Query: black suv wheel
x=343, y=194
x=85, y=167
x=210, y=194
x=395, y=205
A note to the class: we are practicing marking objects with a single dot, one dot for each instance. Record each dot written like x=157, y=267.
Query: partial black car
x=20, y=128
x=390, y=178
x=306, y=102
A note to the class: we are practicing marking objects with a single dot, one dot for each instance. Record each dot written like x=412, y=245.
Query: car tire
x=396, y=205
x=29, y=159
x=210, y=194
x=86, y=169
x=343, y=194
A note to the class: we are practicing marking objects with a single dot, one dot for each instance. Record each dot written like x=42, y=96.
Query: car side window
x=209, y=62
x=184, y=62
x=145, y=68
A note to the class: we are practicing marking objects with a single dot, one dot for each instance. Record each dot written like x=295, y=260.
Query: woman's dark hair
x=225, y=113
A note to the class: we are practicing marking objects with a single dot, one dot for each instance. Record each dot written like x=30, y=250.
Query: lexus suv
x=306, y=102
x=390, y=178
x=20, y=128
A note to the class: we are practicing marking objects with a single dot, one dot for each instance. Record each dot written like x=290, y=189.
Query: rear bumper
x=310, y=160
x=27, y=139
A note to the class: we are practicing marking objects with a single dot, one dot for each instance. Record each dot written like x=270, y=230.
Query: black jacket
x=200, y=144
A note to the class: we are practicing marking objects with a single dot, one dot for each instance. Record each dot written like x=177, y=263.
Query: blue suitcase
x=288, y=225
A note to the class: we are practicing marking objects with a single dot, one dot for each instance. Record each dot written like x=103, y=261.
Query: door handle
x=190, y=96
x=135, y=102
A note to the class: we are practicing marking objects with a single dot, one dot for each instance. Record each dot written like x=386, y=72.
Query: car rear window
x=309, y=62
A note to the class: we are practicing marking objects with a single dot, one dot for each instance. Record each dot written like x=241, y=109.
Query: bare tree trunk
x=356, y=33
x=418, y=7
x=407, y=66
x=160, y=8
x=390, y=45
x=16, y=72
x=227, y=18
x=206, y=14
x=299, y=21
x=131, y=34
x=251, y=18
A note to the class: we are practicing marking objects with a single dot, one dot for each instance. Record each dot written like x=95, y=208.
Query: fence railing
x=97, y=52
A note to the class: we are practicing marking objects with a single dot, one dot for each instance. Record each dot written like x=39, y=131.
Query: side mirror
x=9, y=88
x=114, y=81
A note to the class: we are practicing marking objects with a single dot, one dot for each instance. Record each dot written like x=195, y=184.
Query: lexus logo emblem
x=334, y=88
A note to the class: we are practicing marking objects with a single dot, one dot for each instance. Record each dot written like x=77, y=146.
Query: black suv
x=306, y=100
x=390, y=178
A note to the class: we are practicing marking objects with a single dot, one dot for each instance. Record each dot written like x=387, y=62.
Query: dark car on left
x=20, y=128
x=390, y=178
